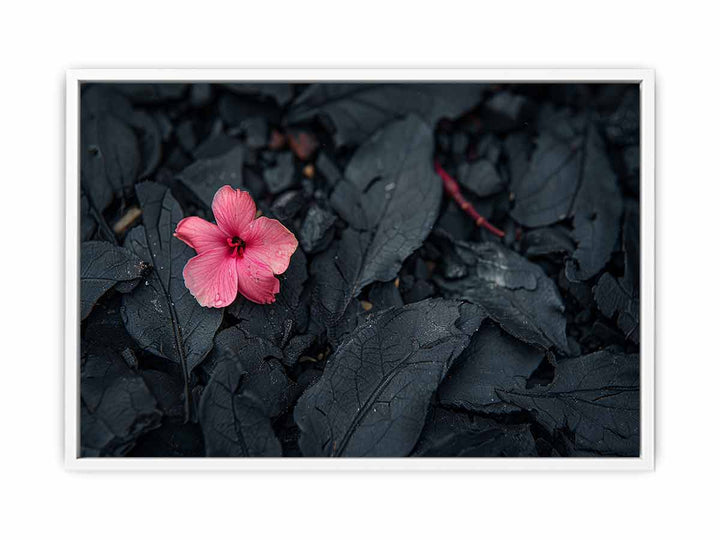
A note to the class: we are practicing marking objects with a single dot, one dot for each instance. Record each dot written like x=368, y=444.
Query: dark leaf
x=102, y=266
x=160, y=313
x=358, y=110
x=247, y=387
x=596, y=214
x=454, y=434
x=613, y=300
x=205, y=176
x=505, y=111
x=281, y=176
x=570, y=176
x=109, y=157
x=149, y=141
x=547, y=240
x=515, y=292
x=481, y=178
x=621, y=297
x=493, y=361
x=280, y=92
x=170, y=440
x=151, y=93
x=279, y=321
x=117, y=406
x=390, y=196
x=235, y=424
x=595, y=397
x=317, y=228
x=374, y=394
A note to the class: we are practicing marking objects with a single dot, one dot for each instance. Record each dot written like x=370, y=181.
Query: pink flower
x=240, y=253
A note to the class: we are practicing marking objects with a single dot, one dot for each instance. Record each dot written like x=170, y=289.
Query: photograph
x=408, y=269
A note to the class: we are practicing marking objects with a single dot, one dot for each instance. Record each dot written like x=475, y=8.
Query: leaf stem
x=452, y=188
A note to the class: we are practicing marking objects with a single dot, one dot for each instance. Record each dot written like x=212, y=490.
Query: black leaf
x=205, y=176
x=281, y=176
x=493, y=361
x=621, y=297
x=570, y=176
x=481, y=178
x=359, y=110
x=595, y=397
x=455, y=434
x=515, y=292
x=117, y=406
x=161, y=314
x=287, y=316
x=390, y=196
x=247, y=387
x=374, y=394
x=110, y=157
x=102, y=266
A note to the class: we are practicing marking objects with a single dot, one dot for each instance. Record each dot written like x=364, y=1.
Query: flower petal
x=268, y=242
x=256, y=281
x=234, y=209
x=212, y=278
x=200, y=235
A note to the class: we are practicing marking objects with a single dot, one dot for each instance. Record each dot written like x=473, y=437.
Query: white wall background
x=38, y=42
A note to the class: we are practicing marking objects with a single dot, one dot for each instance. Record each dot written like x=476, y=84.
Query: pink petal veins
x=234, y=209
x=199, y=234
x=212, y=278
x=256, y=281
x=269, y=243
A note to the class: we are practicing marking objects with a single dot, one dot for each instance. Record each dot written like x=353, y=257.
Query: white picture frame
x=644, y=77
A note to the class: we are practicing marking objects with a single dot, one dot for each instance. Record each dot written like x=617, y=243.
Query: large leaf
x=374, y=394
x=161, y=314
x=356, y=111
x=102, y=266
x=595, y=397
x=570, y=176
x=493, y=361
x=247, y=387
x=390, y=197
x=515, y=292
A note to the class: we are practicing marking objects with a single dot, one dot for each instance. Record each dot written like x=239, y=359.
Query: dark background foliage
x=401, y=328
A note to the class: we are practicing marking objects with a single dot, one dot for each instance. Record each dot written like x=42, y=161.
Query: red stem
x=453, y=189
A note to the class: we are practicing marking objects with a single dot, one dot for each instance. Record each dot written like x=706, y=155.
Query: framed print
x=360, y=269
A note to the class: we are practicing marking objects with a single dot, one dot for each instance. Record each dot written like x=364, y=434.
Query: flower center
x=237, y=246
